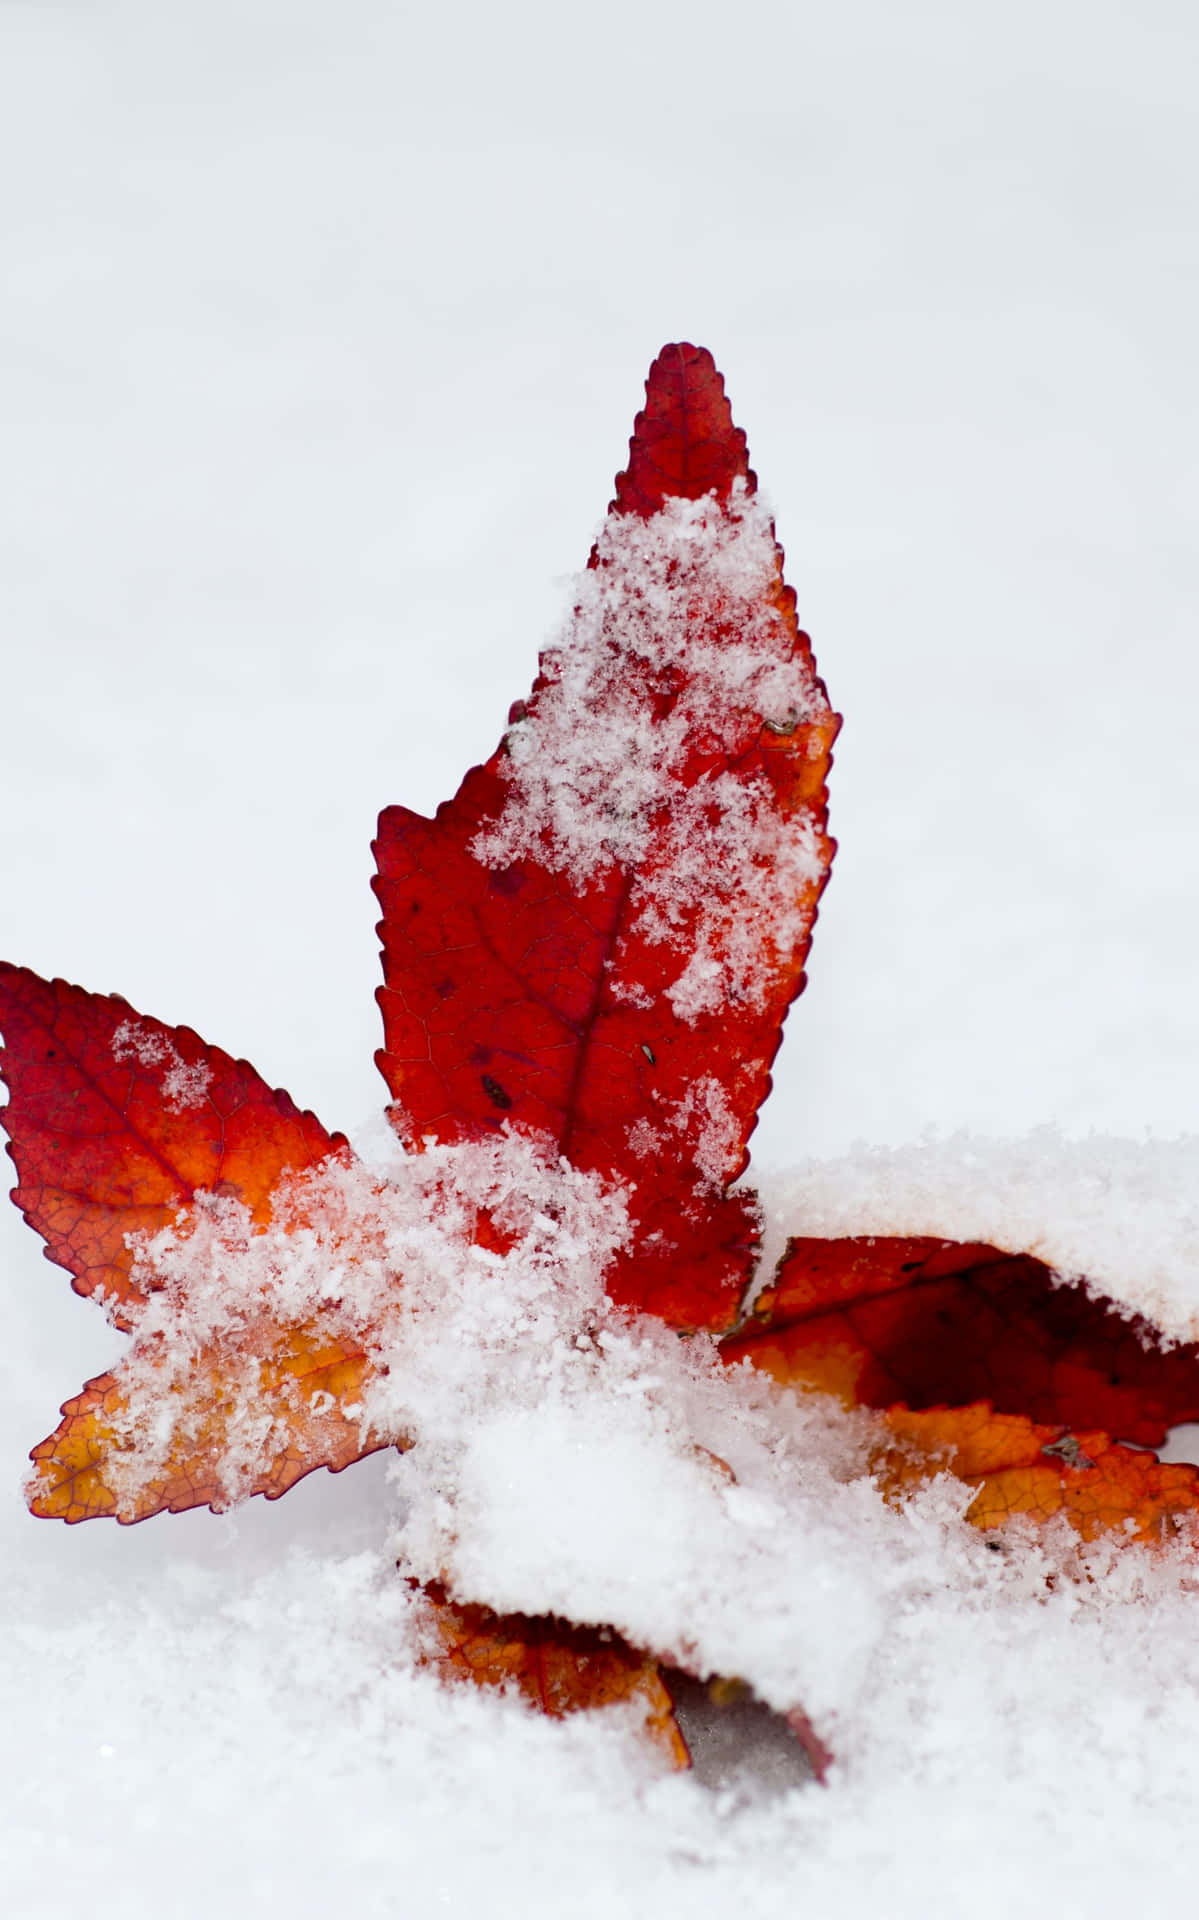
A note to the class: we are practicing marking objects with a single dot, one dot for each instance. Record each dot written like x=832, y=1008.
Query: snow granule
x=183, y=1086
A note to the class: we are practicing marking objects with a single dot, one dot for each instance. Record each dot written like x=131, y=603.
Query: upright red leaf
x=599, y=936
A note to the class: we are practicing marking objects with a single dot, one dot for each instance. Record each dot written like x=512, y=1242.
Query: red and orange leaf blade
x=96, y=1466
x=982, y=1366
x=116, y=1120
x=559, y=952
x=555, y=1667
x=1025, y=1471
x=929, y=1323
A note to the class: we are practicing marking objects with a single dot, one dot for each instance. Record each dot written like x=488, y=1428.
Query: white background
x=322, y=331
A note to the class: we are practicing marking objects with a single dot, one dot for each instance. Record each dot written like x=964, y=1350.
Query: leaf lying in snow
x=100, y=1462
x=990, y=1367
x=927, y=1323
x=599, y=936
x=733, y=1740
x=1037, y=1473
x=556, y=1667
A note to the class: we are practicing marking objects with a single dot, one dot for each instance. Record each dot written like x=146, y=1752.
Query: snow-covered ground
x=322, y=332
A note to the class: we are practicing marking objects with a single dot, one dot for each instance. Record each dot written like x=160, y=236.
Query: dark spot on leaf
x=1069, y=1452
x=507, y=880
x=495, y=1093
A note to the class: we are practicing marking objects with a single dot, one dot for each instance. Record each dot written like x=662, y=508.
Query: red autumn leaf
x=715, y=1724
x=302, y=1380
x=929, y=1323
x=556, y=1667
x=117, y=1122
x=600, y=935
x=968, y=1348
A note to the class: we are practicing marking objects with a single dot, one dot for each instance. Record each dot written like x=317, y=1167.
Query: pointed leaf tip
x=684, y=442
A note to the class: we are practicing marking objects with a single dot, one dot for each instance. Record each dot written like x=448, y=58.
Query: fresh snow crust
x=1123, y=1215
x=222, y=1741
x=1038, y=1705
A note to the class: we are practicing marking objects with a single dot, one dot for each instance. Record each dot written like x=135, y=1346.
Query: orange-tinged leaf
x=304, y=1390
x=116, y=1123
x=717, y=1725
x=1036, y=1473
x=116, y=1120
x=599, y=936
x=556, y=1667
x=925, y=1322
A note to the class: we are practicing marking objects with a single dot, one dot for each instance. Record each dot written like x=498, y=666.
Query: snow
x=362, y=1260
x=1119, y=1214
x=324, y=331
x=183, y=1086
x=572, y=1458
x=229, y=1739
x=674, y=655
